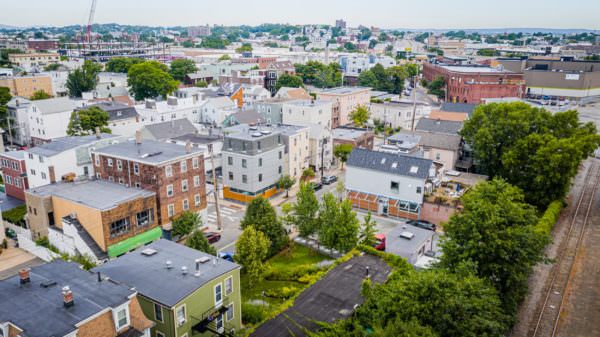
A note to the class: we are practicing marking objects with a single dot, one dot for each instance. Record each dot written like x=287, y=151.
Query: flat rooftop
x=250, y=133
x=149, y=151
x=475, y=69
x=17, y=155
x=283, y=129
x=151, y=277
x=96, y=194
x=39, y=310
x=328, y=300
x=343, y=90
x=347, y=133
x=308, y=102
x=63, y=144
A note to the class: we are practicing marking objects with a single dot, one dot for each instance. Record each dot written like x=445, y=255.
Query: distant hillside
x=487, y=31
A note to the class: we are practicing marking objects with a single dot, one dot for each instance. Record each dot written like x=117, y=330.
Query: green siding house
x=184, y=291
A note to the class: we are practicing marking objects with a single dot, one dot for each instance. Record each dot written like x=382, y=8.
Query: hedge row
x=15, y=215
x=548, y=220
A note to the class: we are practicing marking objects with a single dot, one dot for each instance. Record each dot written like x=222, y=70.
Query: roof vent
x=266, y=132
x=253, y=127
x=394, y=165
x=382, y=161
x=169, y=264
x=184, y=270
x=256, y=134
x=149, y=252
x=203, y=259
x=407, y=235
x=414, y=169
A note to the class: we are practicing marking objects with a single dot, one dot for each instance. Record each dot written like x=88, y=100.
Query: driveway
x=13, y=259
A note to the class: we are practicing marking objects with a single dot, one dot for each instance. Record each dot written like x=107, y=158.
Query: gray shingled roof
x=39, y=310
x=458, y=107
x=54, y=105
x=439, y=126
x=62, y=144
x=116, y=110
x=430, y=139
x=149, y=151
x=390, y=163
x=152, y=279
x=171, y=129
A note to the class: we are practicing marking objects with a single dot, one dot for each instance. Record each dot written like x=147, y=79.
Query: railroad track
x=549, y=316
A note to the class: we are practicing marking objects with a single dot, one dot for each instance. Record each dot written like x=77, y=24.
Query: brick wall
x=436, y=213
x=15, y=175
x=128, y=210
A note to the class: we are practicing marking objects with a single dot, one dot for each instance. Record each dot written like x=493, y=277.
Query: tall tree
x=304, y=212
x=182, y=67
x=495, y=231
x=289, y=81
x=342, y=152
x=122, y=64
x=84, y=122
x=360, y=115
x=199, y=242
x=252, y=249
x=185, y=224
x=285, y=182
x=149, y=80
x=367, y=231
x=339, y=224
x=262, y=216
x=83, y=79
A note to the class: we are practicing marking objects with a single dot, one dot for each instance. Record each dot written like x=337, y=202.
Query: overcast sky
x=580, y=14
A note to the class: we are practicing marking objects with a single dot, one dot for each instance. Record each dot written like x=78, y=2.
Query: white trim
x=161, y=334
x=215, y=294
x=177, y=315
x=225, y=284
x=162, y=318
x=115, y=312
x=232, y=312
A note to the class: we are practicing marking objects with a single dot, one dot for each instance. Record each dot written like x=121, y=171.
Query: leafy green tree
x=39, y=94
x=436, y=87
x=201, y=84
x=262, y=216
x=199, y=242
x=339, y=224
x=185, y=224
x=307, y=174
x=360, y=115
x=342, y=152
x=367, y=231
x=285, y=182
x=495, y=231
x=304, y=212
x=122, y=64
x=52, y=66
x=84, y=122
x=182, y=67
x=367, y=79
x=83, y=79
x=246, y=47
x=187, y=44
x=252, y=249
x=224, y=58
x=149, y=80
x=289, y=81
x=4, y=99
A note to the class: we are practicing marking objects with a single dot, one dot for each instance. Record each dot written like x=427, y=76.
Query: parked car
x=212, y=237
x=380, y=245
x=546, y=97
x=317, y=186
x=328, y=180
x=422, y=224
x=561, y=98
x=553, y=103
x=226, y=255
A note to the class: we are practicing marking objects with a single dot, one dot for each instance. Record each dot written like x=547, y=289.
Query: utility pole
x=412, y=125
x=216, y=191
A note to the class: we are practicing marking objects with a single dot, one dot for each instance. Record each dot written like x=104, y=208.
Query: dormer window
x=121, y=316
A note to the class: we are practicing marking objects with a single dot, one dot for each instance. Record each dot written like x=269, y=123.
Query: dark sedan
x=423, y=224
x=212, y=237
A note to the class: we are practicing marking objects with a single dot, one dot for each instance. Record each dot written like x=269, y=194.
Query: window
x=169, y=190
x=184, y=185
x=229, y=143
x=229, y=312
x=230, y=175
x=30, y=156
x=119, y=227
x=18, y=182
x=171, y=210
x=244, y=163
x=244, y=179
x=122, y=320
x=197, y=199
x=110, y=162
x=111, y=179
x=136, y=169
x=258, y=145
x=181, y=318
x=98, y=176
x=159, y=334
x=219, y=322
x=229, y=160
x=121, y=181
x=243, y=146
x=228, y=285
x=419, y=189
x=184, y=166
x=259, y=161
x=218, y=294
x=32, y=172
x=169, y=171
x=437, y=156
x=395, y=186
x=195, y=163
x=119, y=164
x=260, y=177
x=41, y=159
x=158, y=313
x=137, y=185
x=280, y=155
x=43, y=175
x=144, y=218
x=196, y=181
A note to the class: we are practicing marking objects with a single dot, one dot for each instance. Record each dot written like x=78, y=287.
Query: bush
x=291, y=274
x=16, y=215
x=284, y=292
x=548, y=220
x=252, y=314
x=43, y=241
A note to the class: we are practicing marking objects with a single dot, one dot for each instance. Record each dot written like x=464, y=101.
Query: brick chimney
x=188, y=147
x=138, y=137
x=98, y=134
x=67, y=297
x=24, y=276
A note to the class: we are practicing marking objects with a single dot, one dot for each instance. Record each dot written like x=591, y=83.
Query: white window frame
x=109, y=162
x=169, y=171
x=196, y=181
x=183, y=166
x=119, y=165
x=159, y=334
x=171, y=210
x=185, y=186
x=185, y=204
x=115, y=313
x=197, y=200
x=179, y=322
x=227, y=318
x=230, y=279
x=220, y=302
x=170, y=190
x=195, y=163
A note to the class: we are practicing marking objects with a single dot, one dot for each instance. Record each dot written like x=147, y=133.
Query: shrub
x=252, y=314
x=548, y=220
x=16, y=215
x=291, y=274
x=43, y=241
x=284, y=292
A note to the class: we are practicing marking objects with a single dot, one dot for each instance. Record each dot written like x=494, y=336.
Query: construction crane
x=88, y=31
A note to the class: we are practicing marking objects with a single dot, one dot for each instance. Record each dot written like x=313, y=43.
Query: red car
x=380, y=245
x=212, y=237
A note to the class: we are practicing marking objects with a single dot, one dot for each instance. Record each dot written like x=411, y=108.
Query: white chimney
x=197, y=274
x=169, y=264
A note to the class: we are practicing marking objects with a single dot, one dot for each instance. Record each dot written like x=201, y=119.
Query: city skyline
x=435, y=14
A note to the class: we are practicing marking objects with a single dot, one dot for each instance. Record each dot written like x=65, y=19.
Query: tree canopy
x=199, y=242
x=285, y=182
x=390, y=80
x=122, y=64
x=252, y=249
x=339, y=225
x=342, y=152
x=319, y=74
x=185, y=224
x=182, y=67
x=39, y=94
x=289, y=81
x=83, y=79
x=304, y=212
x=149, y=80
x=84, y=122
x=360, y=115
x=262, y=217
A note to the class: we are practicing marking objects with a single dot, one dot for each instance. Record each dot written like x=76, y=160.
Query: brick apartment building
x=470, y=84
x=25, y=86
x=14, y=173
x=357, y=137
x=42, y=44
x=174, y=172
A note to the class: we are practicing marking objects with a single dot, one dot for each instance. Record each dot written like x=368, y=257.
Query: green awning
x=134, y=242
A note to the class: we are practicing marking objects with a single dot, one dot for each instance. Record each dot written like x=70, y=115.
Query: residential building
x=293, y=93
x=173, y=108
x=271, y=109
x=253, y=161
x=340, y=23
x=14, y=173
x=387, y=184
x=357, y=137
x=42, y=44
x=93, y=217
x=251, y=77
x=320, y=148
x=457, y=112
x=18, y=110
x=209, y=144
x=64, y=158
x=198, y=76
x=167, y=130
x=105, y=90
x=274, y=70
x=25, y=86
x=114, y=79
x=61, y=299
x=471, y=83
x=216, y=110
x=451, y=47
x=353, y=65
x=198, y=31
x=399, y=114
x=304, y=112
x=346, y=99
x=441, y=148
x=175, y=173
x=253, y=93
x=121, y=114
x=185, y=292
x=410, y=242
x=49, y=119
x=247, y=116
x=439, y=126
x=59, y=81
x=6, y=43
x=33, y=61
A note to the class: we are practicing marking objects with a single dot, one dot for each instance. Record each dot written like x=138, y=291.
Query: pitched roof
x=448, y=115
x=116, y=110
x=123, y=99
x=248, y=116
x=170, y=129
x=430, y=139
x=54, y=105
x=293, y=93
x=390, y=163
x=151, y=277
x=39, y=309
x=439, y=126
x=458, y=107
